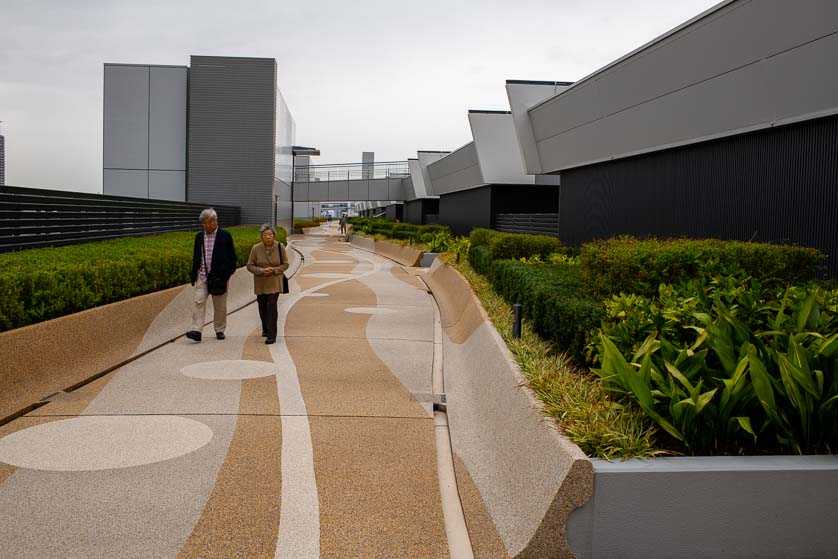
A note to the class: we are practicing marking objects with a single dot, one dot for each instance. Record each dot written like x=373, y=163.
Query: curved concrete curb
x=63, y=353
x=529, y=476
x=404, y=255
x=363, y=243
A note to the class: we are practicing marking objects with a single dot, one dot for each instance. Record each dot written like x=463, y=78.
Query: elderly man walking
x=213, y=262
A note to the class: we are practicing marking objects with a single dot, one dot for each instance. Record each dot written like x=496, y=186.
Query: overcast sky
x=384, y=76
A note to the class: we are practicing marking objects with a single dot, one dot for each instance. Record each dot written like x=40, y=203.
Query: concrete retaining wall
x=51, y=356
x=363, y=243
x=747, y=506
x=528, y=476
x=404, y=255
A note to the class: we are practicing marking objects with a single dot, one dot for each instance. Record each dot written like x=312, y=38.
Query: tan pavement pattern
x=372, y=440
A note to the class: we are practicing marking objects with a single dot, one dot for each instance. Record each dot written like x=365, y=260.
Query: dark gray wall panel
x=520, y=198
x=395, y=212
x=232, y=134
x=463, y=211
x=413, y=212
x=743, y=66
x=777, y=185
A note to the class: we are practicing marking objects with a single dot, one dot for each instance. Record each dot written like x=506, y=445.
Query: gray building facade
x=232, y=134
x=2, y=158
x=215, y=133
x=144, y=132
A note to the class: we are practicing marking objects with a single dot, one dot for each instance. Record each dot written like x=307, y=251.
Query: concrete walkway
x=321, y=445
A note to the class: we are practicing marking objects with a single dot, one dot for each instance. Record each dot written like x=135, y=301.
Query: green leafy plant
x=744, y=372
x=440, y=242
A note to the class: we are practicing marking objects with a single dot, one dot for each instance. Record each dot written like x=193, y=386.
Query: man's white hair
x=208, y=213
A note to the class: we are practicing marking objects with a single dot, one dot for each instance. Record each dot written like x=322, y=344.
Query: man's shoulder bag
x=216, y=285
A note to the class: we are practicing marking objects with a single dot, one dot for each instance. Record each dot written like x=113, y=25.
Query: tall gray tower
x=232, y=134
x=2, y=156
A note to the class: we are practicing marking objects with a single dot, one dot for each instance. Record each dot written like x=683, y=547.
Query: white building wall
x=498, y=153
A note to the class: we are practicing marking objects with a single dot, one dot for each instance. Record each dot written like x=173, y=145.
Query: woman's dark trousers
x=267, y=313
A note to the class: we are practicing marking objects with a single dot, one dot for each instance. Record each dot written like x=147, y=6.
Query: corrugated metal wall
x=2, y=160
x=778, y=185
x=232, y=134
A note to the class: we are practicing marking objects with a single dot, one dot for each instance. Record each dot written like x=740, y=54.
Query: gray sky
x=389, y=77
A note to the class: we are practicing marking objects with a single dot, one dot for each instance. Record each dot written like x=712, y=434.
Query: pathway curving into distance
x=321, y=445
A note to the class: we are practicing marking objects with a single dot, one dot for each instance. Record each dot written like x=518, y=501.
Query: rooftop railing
x=352, y=171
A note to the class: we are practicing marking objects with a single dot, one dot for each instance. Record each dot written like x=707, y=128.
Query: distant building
x=217, y=132
x=2, y=157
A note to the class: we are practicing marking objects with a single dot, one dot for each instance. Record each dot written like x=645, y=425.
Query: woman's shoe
x=270, y=340
x=264, y=334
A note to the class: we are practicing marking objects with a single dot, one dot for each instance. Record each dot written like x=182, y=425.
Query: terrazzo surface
x=316, y=446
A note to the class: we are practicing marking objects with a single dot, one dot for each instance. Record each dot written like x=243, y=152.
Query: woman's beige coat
x=260, y=259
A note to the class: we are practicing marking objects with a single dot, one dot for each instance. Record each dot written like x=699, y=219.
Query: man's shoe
x=219, y=335
x=270, y=340
x=194, y=335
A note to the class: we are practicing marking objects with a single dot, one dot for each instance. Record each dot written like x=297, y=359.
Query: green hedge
x=45, y=283
x=631, y=265
x=512, y=245
x=553, y=299
x=393, y=230
x=482, y=237
x=304, y=223
x=480, y=260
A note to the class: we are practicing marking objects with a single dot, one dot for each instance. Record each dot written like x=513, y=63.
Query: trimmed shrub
x=482, y=237
x=630, y=265
x=45, y=283
x=305, y=224
x=508, y=245
x=480, y=260
x=553, y=298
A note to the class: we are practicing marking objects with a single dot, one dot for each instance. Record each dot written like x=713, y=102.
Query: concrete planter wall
x=404, y=255
x=750, y=506
x=427, y=259
x=519, y=478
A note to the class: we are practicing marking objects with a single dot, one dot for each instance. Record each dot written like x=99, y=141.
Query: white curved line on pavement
x=299, y=519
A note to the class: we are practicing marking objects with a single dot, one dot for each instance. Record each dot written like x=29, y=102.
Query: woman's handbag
x=285, y=288
x=216, y=285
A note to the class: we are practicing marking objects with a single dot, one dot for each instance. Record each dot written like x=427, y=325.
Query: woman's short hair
x=266, y=227
x=208, y=213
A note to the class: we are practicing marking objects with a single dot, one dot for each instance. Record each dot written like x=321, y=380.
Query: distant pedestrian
x=213, y=262
x=343, y=220
x=268, y=262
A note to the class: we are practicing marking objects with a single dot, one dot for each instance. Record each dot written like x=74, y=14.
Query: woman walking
x=268, y=262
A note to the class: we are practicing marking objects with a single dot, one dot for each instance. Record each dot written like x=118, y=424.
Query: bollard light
x=516, y=321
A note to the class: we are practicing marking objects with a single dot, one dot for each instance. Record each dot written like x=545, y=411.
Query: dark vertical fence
x=778, y=185
x=33, y=218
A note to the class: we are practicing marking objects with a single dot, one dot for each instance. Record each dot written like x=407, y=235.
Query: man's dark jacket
x=223, y=255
